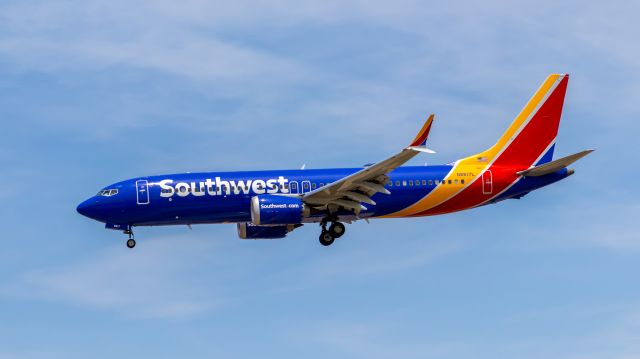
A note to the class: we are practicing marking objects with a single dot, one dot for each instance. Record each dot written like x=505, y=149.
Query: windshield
x=108, y=192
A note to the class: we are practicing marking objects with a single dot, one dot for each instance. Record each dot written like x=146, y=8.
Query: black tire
x=337, y=229
x=131, y=243
x=326, y=238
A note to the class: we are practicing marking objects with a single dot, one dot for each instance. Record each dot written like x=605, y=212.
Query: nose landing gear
x=130, y=242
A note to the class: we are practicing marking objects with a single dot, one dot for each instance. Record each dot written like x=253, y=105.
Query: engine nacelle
x=271, y=209
x=251, y=231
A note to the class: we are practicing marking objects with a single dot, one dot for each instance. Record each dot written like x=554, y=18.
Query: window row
x=412, y=183
x=305, y=186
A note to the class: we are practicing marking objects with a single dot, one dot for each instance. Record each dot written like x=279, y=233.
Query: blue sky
x=93, y=92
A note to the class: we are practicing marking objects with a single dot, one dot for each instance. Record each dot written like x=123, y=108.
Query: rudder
x=530, y=138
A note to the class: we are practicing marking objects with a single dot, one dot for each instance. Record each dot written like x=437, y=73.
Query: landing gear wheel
x=130, y=242
x=336, y=229
x=326, y=238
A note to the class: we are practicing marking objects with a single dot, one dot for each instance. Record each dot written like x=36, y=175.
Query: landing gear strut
x=336, y=230
x=130, y=242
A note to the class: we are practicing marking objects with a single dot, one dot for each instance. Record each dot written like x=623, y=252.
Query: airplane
x=271, y=204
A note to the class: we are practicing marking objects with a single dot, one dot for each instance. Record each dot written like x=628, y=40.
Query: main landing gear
x=335, y=231
x=130, y=242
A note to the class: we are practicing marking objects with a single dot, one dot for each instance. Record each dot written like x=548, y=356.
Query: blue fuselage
x=224, y=197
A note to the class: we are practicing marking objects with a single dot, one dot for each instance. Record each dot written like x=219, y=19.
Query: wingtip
x=421, y=149
x=421, y=137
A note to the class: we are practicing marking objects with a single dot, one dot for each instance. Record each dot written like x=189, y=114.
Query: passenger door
x=142, y=192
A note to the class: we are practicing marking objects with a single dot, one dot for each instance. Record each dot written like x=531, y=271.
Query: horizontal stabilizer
x=554, y=166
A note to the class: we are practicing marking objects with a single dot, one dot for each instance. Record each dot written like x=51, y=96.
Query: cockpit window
x=108, y=192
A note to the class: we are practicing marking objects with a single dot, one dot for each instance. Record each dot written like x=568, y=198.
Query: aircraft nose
x=87, y=208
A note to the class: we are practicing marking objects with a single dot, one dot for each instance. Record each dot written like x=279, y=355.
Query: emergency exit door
x=487, y=182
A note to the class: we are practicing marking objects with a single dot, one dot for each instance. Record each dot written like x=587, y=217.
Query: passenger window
x=462, y=181
x=455, y=181
x=404, y=183
x=410, y=182
x=424, y=182
x=313, y=186
x=449, y=181
x=390, y=183
x=430, y=182
x=397, y=183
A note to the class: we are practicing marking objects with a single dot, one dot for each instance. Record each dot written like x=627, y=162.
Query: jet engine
x=271, y=209
x=251, y=231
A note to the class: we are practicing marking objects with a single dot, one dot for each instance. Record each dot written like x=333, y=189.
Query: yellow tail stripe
x=473, y=166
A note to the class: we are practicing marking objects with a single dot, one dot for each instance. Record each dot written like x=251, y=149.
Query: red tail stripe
x=520, y=154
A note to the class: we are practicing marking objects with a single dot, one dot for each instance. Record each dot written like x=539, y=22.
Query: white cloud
x=463, y=48
x=366, y=261
x=196, y=57
x=153, y=282
x=164, y=278
x=343, y=338
x=612, y=226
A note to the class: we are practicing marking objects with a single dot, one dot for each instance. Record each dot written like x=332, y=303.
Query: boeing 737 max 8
x=270, y=204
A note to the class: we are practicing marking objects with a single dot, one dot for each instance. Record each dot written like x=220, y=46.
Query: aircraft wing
x=349, y=192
